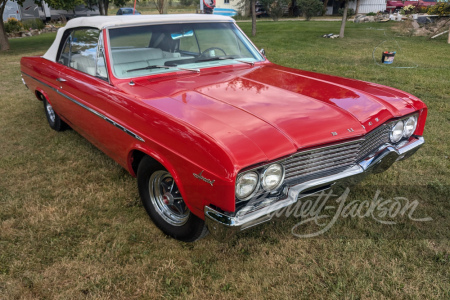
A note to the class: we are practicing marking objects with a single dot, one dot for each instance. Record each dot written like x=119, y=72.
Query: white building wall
x=367, y=6
x=234, y=4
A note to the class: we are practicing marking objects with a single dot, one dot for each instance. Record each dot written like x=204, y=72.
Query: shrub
x=441, y=9
x=371, y=14
x=410, y=9
x=275, y=8
x=350, y=12
x=33, y=24
x=13, y=25
x=310, y=8
x=422, y=9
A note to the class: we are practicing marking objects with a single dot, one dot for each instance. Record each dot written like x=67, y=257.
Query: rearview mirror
x=262, y=51
x=179, y=35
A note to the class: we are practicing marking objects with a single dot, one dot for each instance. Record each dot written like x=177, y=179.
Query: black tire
x=53, y=119
x=164, y=204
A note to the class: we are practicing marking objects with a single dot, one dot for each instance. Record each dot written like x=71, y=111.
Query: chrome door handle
x=61, y=79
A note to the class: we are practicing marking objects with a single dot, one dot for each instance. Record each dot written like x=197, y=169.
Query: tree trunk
x=165, y=6
x=4, y=43
x=100, y=8
x=253, y=8
x=105, y=7
x=344, y=19
x=357, y=7
x=325, y=4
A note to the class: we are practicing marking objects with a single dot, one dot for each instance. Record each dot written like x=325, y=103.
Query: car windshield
x=153, y=49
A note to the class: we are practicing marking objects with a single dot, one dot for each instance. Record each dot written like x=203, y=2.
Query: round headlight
x=410, y=127
x=246, y=184
x=272, y=177
x=397, y=132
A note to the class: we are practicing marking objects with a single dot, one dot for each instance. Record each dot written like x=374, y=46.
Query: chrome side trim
x=224, y=225
x=110, y=121
x=23, y=73
x=23, y=81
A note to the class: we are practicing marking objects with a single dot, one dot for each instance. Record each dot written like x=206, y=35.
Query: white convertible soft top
x=101, y=22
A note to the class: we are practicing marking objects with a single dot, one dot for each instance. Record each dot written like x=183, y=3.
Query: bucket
x=388, y=57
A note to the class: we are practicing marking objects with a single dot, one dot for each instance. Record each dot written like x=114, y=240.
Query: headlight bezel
x=260, y=189
x=400, y=136
x=264, y=172
x=255, y=189
x=414, y=118
x=403, y=121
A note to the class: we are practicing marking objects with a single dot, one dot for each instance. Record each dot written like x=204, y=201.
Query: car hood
x=272, y=111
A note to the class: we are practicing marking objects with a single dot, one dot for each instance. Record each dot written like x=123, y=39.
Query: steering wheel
x=212, y=48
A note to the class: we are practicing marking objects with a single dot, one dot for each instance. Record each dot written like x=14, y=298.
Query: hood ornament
x=200, y=176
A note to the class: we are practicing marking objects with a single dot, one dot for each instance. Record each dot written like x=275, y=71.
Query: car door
x=90, y=106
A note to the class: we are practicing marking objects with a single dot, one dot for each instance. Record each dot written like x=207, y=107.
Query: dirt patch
x=418, y=28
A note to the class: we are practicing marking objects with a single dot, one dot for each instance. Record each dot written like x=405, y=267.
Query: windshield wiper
x=225, y=58
x=164, y=67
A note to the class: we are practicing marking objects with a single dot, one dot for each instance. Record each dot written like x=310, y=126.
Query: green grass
x=72, y=226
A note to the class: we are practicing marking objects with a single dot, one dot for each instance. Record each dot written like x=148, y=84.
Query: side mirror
x=262, y=51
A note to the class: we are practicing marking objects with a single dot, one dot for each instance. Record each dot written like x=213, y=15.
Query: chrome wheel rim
x=166, y=198
x=50, y=112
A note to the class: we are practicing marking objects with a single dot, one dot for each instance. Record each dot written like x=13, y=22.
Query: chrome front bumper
x=222, y=226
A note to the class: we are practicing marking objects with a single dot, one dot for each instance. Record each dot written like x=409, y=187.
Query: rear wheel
x=165, y=205
x=53, y=119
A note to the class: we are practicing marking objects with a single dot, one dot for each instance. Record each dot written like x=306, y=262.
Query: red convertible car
x=218, y=137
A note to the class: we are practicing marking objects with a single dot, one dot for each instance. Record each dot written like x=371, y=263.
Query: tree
x=357, y=6
x=103, y=7
x=275, y=8
x=4, y=44
x=253, y=8
x=103, y=4
x=244, y=5
x=310, y=8
x=344, y=19
x=325, y=4
x=63, y=4
x=161, y=6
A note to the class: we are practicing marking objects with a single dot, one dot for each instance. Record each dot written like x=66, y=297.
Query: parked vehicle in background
x=30, y=10
x=12, y=10
x=127, y=11
x=79, y=11
x=260, y=10
x=229, y=12
x=419, y=3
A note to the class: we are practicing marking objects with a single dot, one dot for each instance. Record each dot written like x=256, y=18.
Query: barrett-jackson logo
x=200, y=176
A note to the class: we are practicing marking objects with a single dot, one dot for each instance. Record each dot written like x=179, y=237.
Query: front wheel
x=165, y=205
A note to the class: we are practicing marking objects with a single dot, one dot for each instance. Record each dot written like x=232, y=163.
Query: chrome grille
x=321, y=160
x=373, y=140
x=329, y=160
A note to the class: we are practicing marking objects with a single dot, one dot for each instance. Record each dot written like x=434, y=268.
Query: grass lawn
x=72, y=226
